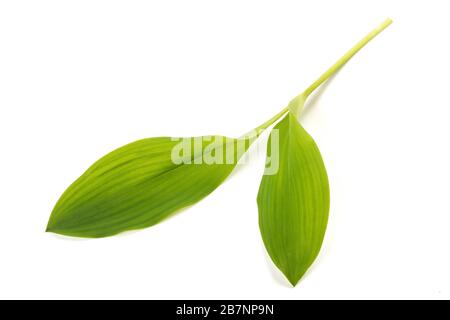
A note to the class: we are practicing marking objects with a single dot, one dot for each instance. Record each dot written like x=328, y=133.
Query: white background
x=80, y=78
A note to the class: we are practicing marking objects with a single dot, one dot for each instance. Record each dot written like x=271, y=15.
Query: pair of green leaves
x=140, y=184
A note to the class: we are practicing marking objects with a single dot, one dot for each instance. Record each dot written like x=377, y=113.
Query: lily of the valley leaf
x=294, y=203
x=140, y=184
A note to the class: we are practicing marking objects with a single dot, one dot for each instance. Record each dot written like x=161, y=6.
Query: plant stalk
x=301, y=98
x=335, y=67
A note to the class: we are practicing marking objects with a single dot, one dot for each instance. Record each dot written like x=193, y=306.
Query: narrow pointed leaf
x=294, y=203
x=140, y=184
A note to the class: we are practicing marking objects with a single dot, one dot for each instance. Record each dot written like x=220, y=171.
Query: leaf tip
x=293, y=279
x=51, y=224
x=48, y=228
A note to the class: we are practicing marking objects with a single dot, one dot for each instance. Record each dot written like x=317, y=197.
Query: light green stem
x=301, y=98
x=335, y=67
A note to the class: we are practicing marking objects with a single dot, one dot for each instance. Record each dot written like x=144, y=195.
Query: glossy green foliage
x=294, y=203
x=140, y=184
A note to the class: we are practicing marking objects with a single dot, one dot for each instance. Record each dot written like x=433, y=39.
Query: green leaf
x=294, y=203
x=140, y=184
